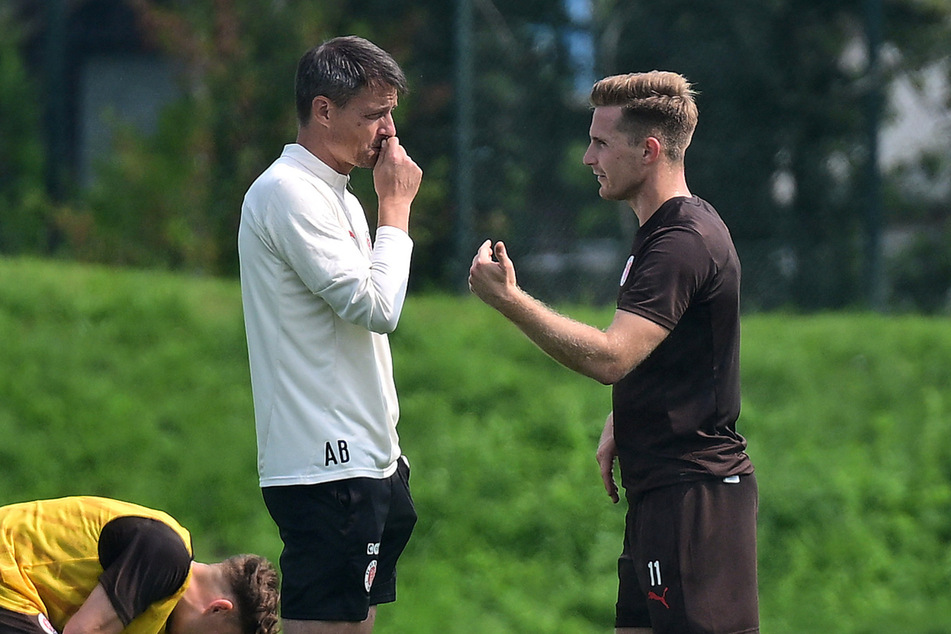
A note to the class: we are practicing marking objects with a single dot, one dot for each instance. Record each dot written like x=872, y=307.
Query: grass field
x=135, y=385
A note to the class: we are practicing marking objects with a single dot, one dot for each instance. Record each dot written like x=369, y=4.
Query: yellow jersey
x=51, y=559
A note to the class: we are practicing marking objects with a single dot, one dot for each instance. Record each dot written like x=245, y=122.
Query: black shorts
x=341, y=543
x=689, y=560
x=16, y=623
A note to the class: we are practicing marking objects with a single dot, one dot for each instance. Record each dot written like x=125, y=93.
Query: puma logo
x=653, y=596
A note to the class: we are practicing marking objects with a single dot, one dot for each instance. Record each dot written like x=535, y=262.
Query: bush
x=135, y=384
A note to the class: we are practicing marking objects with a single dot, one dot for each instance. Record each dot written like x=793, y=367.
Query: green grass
x=134, y=384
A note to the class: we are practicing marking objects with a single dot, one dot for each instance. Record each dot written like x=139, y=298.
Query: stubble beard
x=628, y=193
x=370, y=159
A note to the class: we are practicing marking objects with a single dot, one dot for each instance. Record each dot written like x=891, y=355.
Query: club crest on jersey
x=370, y=575
x=627, y=270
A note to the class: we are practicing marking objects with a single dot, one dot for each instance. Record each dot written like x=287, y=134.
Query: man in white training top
x=319, y=298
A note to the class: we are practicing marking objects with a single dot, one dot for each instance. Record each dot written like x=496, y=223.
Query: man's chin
x=369, y=162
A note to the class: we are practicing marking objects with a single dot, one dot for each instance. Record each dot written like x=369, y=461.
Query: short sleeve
x=666, y=274
x=144, y=561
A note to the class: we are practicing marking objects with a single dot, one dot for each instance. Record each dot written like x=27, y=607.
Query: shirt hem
x=376, y=474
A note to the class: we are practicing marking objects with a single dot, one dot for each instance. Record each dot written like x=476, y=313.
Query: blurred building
x=97, y=71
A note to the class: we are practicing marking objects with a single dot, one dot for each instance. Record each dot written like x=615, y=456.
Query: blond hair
x=655, y=103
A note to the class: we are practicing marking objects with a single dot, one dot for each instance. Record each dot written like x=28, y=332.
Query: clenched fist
x=396, y=178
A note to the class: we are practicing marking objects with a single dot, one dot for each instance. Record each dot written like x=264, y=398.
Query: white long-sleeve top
x=318, y=300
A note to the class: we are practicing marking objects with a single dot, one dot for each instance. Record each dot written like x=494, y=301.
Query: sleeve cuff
x=392, y=245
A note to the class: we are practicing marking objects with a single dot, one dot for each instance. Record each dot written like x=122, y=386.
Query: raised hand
x=396, y=179
x=493, y=281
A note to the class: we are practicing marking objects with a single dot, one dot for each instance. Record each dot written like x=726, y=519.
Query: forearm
x=577, y=346
x=389, y=273
x=394, y=214
x=96, y=615
x=604, y=355
x=371, y=294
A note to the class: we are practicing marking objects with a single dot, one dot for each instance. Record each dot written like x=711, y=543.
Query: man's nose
x=388, y=128
x=588, y=159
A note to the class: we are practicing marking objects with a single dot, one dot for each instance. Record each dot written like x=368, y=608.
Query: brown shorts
x=689, y=560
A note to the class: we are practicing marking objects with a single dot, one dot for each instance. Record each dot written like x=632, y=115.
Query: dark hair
x=658, y=103
x=339, y=68
x=256, y=592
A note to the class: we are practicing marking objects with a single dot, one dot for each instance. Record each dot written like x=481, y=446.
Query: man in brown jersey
x=671, y=354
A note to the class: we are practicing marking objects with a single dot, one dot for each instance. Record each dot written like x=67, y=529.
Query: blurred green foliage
x=784, y=89
x=135, y=384
x=922, y=273
x=24, y=206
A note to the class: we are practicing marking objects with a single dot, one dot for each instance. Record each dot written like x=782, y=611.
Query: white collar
x=317, y=167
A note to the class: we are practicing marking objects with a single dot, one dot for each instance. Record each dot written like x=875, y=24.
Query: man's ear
x=219, y=605
x=320, y=109
x=652, y=149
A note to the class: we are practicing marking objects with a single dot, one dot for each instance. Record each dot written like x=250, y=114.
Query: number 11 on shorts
x=653, y=568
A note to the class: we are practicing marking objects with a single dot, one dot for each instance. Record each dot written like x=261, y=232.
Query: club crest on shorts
x=370, y=575
x=45, y=624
